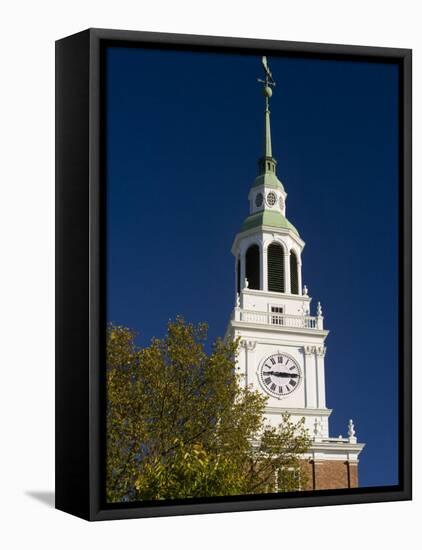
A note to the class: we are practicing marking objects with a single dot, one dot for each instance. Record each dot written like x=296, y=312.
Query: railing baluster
x=270, y=318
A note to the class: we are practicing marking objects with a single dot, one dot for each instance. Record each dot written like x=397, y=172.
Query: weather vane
x=269, y=80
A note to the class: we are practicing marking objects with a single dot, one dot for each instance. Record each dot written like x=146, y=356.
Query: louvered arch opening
x=252, y=267
x=275, y=265
x=294, y=276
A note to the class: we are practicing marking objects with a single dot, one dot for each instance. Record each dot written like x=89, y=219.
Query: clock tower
x=282, y=345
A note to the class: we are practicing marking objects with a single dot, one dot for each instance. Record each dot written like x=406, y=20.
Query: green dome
x=269, y=179
x=270, y=219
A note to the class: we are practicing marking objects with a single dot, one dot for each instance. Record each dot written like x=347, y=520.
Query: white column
x=242, y=270
x=245, y=373
x=299, y=276
x=287, y=272
x=249, y=347
x=264, y=268
x=320, y=372
x=310, y=376
x=236, y=290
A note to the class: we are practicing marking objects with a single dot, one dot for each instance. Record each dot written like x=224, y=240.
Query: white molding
x=331, y=449
x=258, y=231
x=272, y=341
x=248, y=343
x=279, y=295
x=291, y=330
x=276, y=342
x=299, y=411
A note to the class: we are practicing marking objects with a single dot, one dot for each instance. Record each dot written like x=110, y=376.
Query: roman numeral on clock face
x=280, y=358
x=272, y=360
x=292, y=382
x=267, y=380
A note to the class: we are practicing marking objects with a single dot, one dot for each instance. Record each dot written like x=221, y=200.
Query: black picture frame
x=80, y=274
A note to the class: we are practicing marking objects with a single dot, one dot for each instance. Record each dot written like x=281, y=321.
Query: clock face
x=279, y=375
x=258, y=200
x=271, y=198
x=281, y=203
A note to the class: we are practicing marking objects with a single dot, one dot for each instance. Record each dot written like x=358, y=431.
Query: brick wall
x=331, y=474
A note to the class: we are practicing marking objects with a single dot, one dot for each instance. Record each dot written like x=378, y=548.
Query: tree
x=181, y=423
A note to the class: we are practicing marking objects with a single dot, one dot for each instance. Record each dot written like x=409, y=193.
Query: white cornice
x=266, y=229
x=335, y=450
x=275, y=328
x=336, y=446
x=299, y=411
x=273, y=341
x=283, y=295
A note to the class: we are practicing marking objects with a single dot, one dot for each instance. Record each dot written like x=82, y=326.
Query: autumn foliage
x=182, y=424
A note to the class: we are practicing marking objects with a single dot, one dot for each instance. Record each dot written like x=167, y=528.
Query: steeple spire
x=267, y=145
x=267, y=163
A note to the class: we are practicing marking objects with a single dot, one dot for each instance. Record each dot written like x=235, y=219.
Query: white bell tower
x=282, y=346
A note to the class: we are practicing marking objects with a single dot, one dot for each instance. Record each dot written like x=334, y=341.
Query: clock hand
x=282, y=374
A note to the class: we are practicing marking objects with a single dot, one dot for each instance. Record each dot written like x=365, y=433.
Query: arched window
x=275, y=259
x=252, y=267
x=294, y=276
x=238, y=275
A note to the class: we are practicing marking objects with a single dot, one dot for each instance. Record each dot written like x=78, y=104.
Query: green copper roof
x=269, y=218
x=268, y=179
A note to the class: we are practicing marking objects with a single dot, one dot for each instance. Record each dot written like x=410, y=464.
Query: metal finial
x=268, y=83
x=351, y=432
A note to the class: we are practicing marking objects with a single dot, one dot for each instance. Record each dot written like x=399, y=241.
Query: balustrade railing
x=278, y=319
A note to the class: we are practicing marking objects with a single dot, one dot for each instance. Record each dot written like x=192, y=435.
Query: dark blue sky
x=184, y=133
